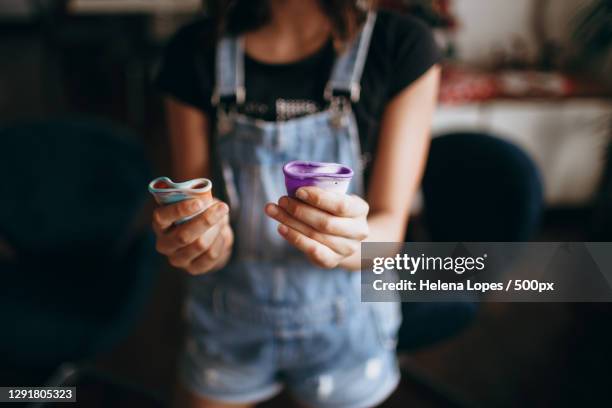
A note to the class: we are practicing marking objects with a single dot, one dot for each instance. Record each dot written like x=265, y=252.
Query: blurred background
x=82, y=131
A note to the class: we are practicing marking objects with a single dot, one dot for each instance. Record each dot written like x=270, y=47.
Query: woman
x=261, y=83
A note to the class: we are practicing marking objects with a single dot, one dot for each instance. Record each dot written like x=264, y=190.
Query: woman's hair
x=239, y=16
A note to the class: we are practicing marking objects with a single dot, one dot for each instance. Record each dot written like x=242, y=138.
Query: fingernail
x=196, y=205
x=302, y=194
x=283, y=229
x=272, y=210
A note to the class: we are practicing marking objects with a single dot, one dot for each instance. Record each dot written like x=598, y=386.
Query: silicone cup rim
x=176, y=187
x=302, y=175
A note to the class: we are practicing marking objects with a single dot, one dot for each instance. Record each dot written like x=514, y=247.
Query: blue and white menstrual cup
x=166, y=191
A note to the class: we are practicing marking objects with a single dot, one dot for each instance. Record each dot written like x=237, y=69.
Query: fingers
x=185, y=234
x=219, y=250
x=165, y=216
x=199, y=245
x=327, y=227
x=340, y=245
x=324, y=222
x=206, y=253
x=183, y=257
x=318, y=253
x=341, y=205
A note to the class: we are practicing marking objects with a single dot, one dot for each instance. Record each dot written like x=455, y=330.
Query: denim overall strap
x=345, y=82
x=251, y=152
x=345, y=78
x=229, y=90
x=346, y=74
x=229, y=82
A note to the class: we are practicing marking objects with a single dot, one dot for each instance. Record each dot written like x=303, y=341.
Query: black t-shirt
x=402, y=48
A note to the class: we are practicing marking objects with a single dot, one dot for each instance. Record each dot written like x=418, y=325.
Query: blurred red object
x=465, y=85
x=460, y=85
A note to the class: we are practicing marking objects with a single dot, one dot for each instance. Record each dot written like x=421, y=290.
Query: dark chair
x=77, y=267
x=480, y=188
x=476, y=188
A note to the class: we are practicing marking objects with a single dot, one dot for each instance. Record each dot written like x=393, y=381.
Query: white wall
x=566, y=138
x=487, y=25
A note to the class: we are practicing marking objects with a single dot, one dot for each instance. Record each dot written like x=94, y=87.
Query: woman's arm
x=329, y=227
x=189, y=146
x=204, y=243
x=400, y=160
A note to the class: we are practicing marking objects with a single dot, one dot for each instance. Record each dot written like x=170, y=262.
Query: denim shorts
x=335, y=353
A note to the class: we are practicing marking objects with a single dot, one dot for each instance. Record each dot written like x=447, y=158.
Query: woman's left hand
x=326, y=226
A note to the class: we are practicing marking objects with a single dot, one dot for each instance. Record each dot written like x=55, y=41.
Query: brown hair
x=239, y=16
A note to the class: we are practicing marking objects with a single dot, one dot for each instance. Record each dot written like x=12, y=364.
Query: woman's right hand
x=200, y=245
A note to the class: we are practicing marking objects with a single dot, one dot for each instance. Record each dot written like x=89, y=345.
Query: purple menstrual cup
x=328, y=176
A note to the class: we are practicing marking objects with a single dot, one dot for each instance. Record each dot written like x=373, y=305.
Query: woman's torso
x=286, y=117
x=402, y=48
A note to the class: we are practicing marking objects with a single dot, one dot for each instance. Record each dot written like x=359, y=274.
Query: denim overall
x=270, y=317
